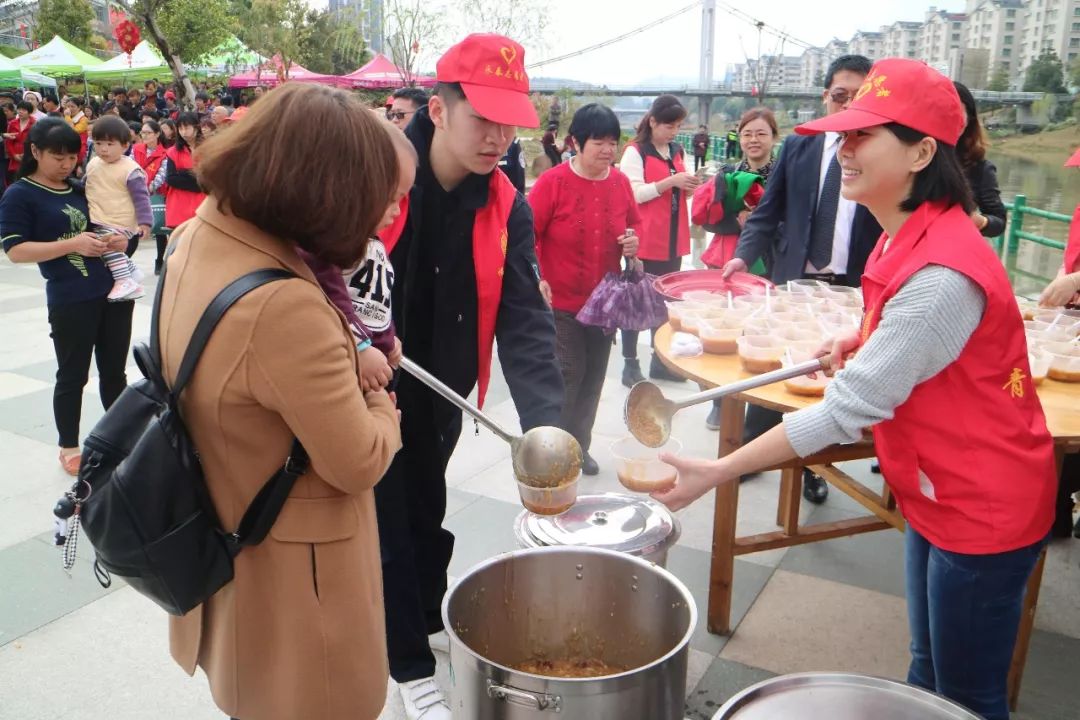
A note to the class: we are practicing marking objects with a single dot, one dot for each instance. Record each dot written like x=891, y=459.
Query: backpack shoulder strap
x=212, y=316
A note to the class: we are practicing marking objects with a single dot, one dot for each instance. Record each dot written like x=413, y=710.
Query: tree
x=183, y=31
x=1074, y=73
x=999, y=82
x=525, y=21
x=1045, y=74
x=413, y=31
x=332, y=43
x=70, y=19
x=276, y=27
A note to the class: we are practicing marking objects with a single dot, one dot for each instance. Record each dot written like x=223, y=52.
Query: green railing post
x=1016, y=223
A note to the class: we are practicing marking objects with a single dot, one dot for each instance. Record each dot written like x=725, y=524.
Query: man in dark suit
x=806, y=227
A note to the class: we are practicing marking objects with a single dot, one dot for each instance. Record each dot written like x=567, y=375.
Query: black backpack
x=141, y=496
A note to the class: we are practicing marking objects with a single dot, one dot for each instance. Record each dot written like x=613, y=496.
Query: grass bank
x=1046, y=146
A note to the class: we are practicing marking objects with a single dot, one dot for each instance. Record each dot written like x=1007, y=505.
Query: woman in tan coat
x=299, y=633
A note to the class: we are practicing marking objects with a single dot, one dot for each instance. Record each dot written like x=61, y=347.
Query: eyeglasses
x=398, y=114
x=760, y=135
x=147, y=132
x=840, y=96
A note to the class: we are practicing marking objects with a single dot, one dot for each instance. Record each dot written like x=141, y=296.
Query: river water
x=1046, y=185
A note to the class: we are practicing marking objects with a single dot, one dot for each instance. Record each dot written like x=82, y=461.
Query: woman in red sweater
x=150, y=155
x=581, y=210
x=18, y=130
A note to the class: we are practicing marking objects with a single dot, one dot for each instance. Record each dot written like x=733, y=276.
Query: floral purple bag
x=625, y=301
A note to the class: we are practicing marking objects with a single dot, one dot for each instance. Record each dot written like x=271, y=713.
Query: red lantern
x=127, y=36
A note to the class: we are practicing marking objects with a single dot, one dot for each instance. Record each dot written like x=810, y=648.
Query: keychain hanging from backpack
x=66, y=522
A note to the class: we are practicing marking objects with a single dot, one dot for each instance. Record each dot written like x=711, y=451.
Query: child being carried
x=119, y=201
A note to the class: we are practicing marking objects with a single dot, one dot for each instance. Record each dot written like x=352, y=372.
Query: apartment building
x=901, y=39
x=1047, y=25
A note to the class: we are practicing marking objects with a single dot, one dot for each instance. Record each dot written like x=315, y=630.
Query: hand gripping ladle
x=544, y=457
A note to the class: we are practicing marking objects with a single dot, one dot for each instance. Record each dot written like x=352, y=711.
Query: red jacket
x=967, y=455
x=180, y=205
x=489, y=256
x=1072, y=247
x=150, y=162
x=656, y=214
x=17, y=145
x=577, y=222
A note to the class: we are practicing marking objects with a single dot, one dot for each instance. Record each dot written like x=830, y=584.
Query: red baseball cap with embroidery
x=491, y=71
x=1074, y=159
x=897, y=90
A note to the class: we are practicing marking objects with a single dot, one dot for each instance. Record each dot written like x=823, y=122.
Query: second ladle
x=648, y=413
x=544, y=457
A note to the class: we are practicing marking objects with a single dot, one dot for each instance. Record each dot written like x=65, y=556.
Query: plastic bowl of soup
x=639, y=467
x=760, y=353
x=803, y=384
x=1064, y=361
x=549, y=501
x=692, y=319
x=718, y=337
x=677, y=309
x=1040, y=361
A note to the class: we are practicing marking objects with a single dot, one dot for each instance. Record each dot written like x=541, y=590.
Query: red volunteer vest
x=489, y=256
x=967, y=455
x=180, y=205
x=149, y=162
x=655, y=241
x=1072, y=247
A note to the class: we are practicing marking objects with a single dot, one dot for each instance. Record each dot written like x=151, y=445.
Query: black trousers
x=699, y=162
x=162, y=241
x=583, y=353
x=410, y=504
x=653, y=267
x=79, y=330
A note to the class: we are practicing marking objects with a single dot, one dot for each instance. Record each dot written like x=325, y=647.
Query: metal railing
x=1015, y=232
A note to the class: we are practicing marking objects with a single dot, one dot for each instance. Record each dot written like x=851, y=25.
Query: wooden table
x=1061, y=402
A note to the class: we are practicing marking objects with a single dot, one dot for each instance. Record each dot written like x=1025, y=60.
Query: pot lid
x=838, y=696
x=613, y=521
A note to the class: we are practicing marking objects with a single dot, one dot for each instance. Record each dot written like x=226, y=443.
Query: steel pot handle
x=533, y=701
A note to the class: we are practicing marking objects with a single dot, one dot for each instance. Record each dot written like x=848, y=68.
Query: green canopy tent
x=57, y=58
x=11, y=75
x=144, y=63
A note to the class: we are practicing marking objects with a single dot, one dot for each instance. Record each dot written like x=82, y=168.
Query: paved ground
x=70, y=649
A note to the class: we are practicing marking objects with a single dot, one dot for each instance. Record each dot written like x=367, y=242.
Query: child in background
x=119, y=200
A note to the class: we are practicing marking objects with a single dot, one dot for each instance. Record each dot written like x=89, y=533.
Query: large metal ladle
x=544, y=457
x=648, y=413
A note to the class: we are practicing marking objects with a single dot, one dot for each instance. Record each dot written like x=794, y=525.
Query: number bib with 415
x=370, y=285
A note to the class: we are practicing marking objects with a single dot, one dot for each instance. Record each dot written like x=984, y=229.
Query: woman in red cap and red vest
x=942, y=377
x=654, y=165
x=1063, y=291
x=465, y=275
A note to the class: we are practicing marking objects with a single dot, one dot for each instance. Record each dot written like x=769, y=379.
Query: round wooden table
x=1061, y=403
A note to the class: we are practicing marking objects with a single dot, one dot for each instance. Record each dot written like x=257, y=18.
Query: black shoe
x=875, y=467
x=588, y=465
x=157, y=267
x=713, y=421
x=631, y=372
x=814, y=488
x=659, y=371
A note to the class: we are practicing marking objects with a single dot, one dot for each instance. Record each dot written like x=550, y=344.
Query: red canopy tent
x=381, y=72
x=269, y=75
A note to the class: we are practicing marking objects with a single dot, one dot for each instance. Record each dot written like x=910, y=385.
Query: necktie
x=821, y=230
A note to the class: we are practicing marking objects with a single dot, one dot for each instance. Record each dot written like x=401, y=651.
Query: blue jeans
x=964, y=612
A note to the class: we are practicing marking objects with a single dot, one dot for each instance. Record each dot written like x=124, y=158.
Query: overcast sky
x=672, y=49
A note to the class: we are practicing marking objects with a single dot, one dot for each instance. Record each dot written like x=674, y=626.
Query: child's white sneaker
x=126, y=289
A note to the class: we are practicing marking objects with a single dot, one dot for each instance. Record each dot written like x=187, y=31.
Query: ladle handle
x=442, y=389
x=804, y=368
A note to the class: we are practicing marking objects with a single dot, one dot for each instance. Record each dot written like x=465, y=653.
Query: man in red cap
x=465, y=274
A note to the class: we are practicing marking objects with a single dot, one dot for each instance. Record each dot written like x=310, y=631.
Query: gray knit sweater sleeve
x=923, y=328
